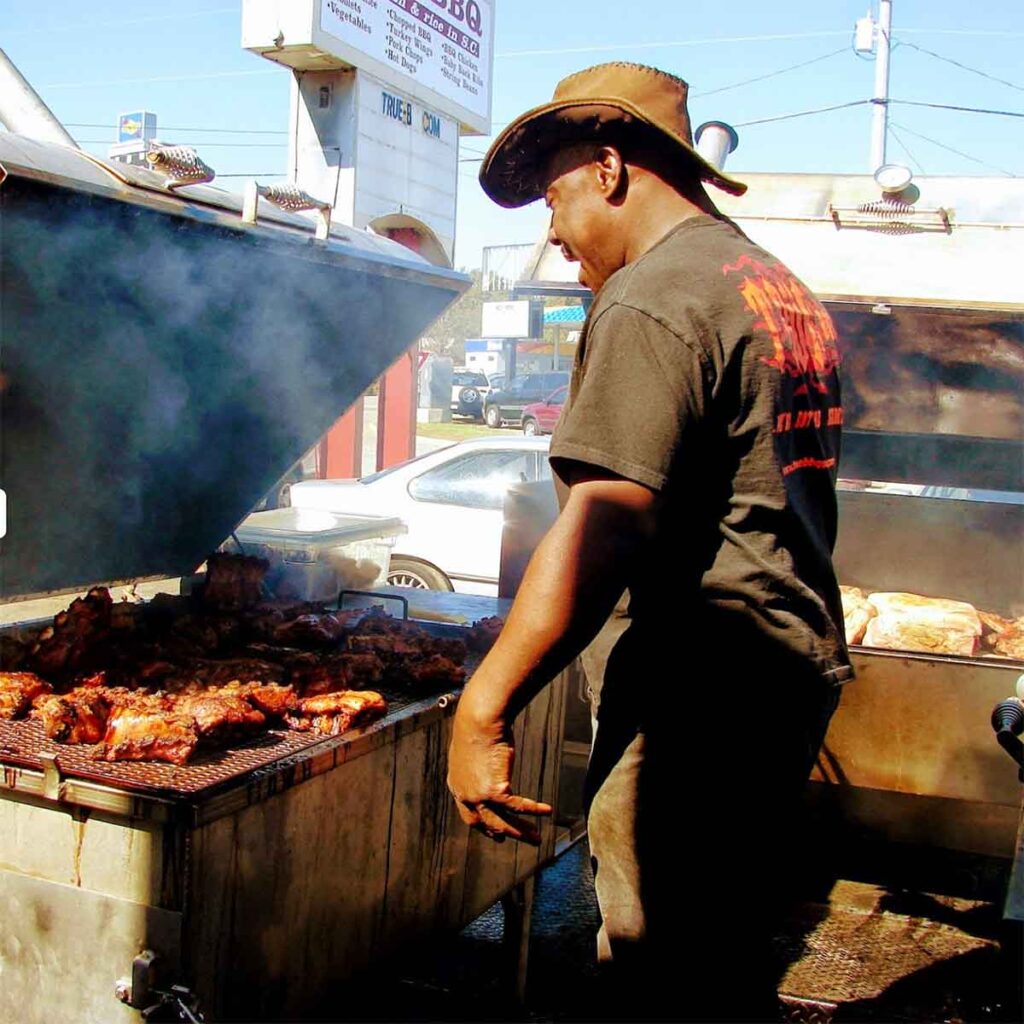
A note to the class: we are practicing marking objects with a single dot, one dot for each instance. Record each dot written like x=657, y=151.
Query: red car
x=541, y=417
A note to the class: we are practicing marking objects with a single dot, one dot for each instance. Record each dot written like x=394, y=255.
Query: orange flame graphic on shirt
x=800, y=329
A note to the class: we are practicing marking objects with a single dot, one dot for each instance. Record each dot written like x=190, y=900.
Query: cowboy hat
x=585, y=106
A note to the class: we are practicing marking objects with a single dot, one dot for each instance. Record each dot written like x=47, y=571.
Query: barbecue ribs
x=335, y=713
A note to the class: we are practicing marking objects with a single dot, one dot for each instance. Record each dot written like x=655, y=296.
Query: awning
x=564, y=315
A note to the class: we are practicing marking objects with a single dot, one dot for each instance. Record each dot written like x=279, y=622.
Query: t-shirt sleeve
x=641, y=394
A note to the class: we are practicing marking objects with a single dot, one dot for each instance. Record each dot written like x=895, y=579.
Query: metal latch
x=143, y=991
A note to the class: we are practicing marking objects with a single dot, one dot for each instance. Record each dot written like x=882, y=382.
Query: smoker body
x=262, y=896
x=165, y=359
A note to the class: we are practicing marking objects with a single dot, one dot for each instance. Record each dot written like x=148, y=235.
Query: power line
x=966, y=67
x=78, y=26
x=620, y=46
x=801, y=113
x=961, y=32
x=771, y=74
x=201, y=143
x=966, y=156
x=160, y=78
x=963, y=110
x=913, y=159
x=179, y=128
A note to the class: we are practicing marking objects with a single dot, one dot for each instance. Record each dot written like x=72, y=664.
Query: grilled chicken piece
x=77, y=717
x=335, y=713
x=233, y=582
x=18, y=690
x=148, y=728
x=220, y=717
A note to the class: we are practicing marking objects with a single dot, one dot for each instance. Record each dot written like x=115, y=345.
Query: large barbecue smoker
x=167, y=352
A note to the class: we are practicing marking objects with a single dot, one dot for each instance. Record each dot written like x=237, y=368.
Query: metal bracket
x=137, y=991
x=286, y=197
x=52, y=788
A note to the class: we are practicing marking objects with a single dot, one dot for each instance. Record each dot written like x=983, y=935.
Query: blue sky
x=92, y=61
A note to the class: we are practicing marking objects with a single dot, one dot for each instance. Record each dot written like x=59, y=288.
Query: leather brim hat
x=584, y=107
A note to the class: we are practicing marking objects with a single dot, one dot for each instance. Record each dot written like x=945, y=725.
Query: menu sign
x=443, y=45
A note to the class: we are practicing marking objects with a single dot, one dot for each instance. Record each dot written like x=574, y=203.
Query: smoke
x=163, y=371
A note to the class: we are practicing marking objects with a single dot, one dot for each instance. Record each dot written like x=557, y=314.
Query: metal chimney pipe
x=23, y=112
x=715, y=140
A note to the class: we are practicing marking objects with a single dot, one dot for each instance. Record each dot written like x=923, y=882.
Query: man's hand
x=569, y=589
x=480, y=763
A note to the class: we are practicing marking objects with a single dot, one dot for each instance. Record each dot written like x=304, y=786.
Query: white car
x=452, y=502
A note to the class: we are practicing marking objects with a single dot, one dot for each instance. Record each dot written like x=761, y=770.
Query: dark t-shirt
x=707, y=372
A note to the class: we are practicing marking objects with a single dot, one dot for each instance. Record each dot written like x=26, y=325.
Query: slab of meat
x=346, y=671
x=149, y=729
x=313, y=630
x=233, y=582
x=335, y=713
x=432, y=672
x=274, y=700
x=18, y=690
x=220, y=717
x=483, y=633
x=76, y=639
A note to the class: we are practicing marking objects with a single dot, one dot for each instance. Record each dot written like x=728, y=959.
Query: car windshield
x=381, y=473
x=477, y=380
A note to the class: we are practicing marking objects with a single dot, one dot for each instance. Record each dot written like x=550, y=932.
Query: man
x=695, y=459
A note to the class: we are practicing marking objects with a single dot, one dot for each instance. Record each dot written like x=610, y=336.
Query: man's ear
x=612, y=174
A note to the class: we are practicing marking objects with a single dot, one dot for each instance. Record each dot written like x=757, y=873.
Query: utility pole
x=880, y=119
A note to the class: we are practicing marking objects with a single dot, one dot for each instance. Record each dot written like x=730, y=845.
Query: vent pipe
x=715, y=140
x=23, y=112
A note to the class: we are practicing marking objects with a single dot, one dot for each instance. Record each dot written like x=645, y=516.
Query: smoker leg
x=518, y=907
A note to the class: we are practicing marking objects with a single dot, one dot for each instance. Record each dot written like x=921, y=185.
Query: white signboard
x=442, y=45
x=506, y=319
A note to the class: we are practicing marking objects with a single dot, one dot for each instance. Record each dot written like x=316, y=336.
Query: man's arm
x=570, y=587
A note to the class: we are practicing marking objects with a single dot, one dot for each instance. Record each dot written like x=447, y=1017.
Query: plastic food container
x=313, y=554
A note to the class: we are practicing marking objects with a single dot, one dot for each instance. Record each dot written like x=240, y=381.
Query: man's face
x=580, y=214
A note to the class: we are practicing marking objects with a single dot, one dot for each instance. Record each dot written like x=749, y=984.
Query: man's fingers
x=524, y=805
x=497, y=822
x=467, y=812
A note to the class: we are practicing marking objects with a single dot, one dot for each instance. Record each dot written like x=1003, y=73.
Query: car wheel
x=469, y=396
x=407, y=572
x=492, y=414
x=530, y=427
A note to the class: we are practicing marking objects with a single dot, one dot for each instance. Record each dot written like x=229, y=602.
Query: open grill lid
x=162, y=363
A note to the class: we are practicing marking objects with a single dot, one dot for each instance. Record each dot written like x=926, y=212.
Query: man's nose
x=552, y=233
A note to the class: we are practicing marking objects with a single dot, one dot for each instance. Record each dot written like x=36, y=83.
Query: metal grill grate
x=22, y=743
